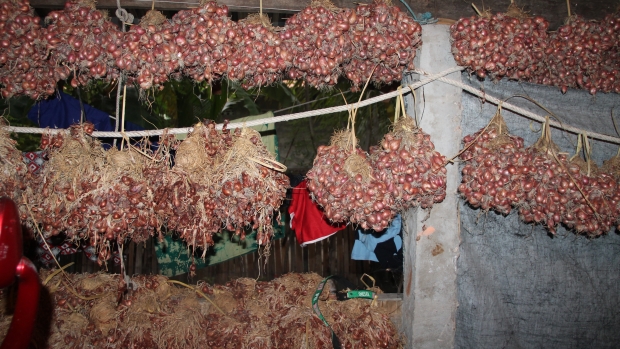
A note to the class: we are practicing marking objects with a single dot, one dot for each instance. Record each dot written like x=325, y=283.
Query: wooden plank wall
x=331, y=256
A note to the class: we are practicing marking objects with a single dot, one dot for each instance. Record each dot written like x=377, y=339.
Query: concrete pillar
x=429, y=289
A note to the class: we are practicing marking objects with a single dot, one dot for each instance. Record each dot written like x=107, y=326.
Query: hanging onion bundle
x=249, y=186
x=149, y=52
x=492, y=171
x=259, y=57
x=318, y=41
x=384, y=39
x=123, y=203
x=577, y=55
x=206, y=38
x=13, y=170
x=593, y=200
x=342, y=180
x=84, y=40
x=580, y=54
x=410, y=166
x=24, y=69
x=185, y=197
x=75, y=165
x=507, y=44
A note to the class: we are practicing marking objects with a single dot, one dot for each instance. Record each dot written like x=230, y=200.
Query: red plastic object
x=15, y=267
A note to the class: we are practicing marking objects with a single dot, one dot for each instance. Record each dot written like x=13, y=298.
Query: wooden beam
x=233, y=5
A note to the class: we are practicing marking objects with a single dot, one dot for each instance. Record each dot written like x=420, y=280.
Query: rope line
x=411, y=87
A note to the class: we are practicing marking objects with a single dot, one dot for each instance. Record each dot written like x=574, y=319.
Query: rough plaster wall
x=517, y=286
x=429, y=303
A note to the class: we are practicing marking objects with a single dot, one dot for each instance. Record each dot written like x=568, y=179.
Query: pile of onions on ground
x=92, y=310
x=13, y=169
x=491, y=175
x=612, y=168
x=250, y=186
x=409, y=165
x=75, y=165
x=84, y=40
x=580, y=54
x=24, y=68
x=259, y=58
x=317, y=38
x=345, y=184
x=384, y=40
x=206, y=37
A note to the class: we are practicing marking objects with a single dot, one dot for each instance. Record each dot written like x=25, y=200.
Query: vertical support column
x=429, y=292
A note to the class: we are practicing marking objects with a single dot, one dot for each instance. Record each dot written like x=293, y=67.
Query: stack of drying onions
x=221, y=180
x=410, y=166
x=206, y=38
x=491, y=177
x=580, y=54
x=503, y=45
x=185, y=194
x=317, y=38
x=584, y=54
x=319, y=44
x=249, y=186
x=13, y=170
x=84, y=40
x=148, y=53
x=342, y=180
x=24, y=69
x=543, y=184
x=74, y=169
x=384, y=40
x=259, y=58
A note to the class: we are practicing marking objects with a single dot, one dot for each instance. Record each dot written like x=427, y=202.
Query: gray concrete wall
x=429, y=295
x=518, y=286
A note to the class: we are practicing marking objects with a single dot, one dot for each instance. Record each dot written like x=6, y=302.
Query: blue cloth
x=365, y=244
x=62, y=111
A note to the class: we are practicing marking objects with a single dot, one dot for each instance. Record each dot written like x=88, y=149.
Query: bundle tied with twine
x=75, y=166
x=186, y=195
x=258, y=58
x=250, y=186
x=14, y=175
x=409, y=165
x=490, y=179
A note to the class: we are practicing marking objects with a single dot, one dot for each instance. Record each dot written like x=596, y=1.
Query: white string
x=428, y=78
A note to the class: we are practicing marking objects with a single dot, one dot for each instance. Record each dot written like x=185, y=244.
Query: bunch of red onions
x=75, y=165
x=503, y=45
x=84, y=40
x=206, y=38
x=317, y=38
x=583, y=54
x=545, y=186
x=343, y=181
x=409, y=165
x=24, y=69
x=249, y=188
x=318, y=45
x=184, y=195
x=149, y=53
x=384, y=40
x=580, y=54
x=259, y=57
x=13, y=170
x=491, y=180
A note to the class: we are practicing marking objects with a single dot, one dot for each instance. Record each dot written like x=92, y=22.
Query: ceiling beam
x=233, y=5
